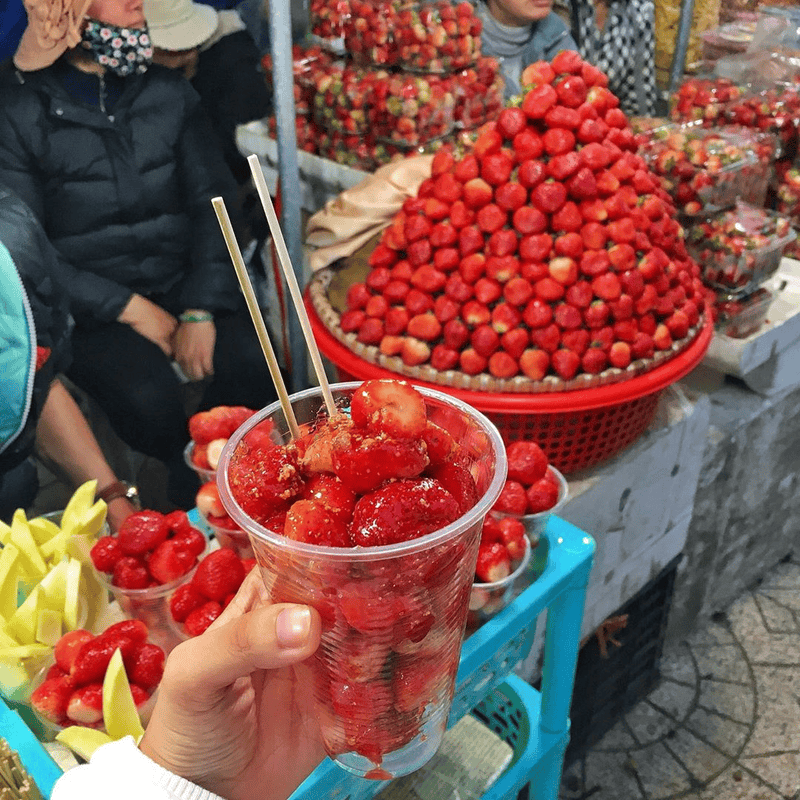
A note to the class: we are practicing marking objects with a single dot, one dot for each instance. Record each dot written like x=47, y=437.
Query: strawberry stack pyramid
x=547, y=253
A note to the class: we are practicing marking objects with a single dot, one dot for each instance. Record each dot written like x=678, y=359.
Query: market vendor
x=119, y=163
x=519, y=32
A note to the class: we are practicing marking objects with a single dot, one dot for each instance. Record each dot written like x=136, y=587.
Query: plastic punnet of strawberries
x=72, y=690
x=346, y=511
x=548, y=251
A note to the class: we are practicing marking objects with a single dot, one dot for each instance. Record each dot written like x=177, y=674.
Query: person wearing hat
x=118, y=161
x=220, y=59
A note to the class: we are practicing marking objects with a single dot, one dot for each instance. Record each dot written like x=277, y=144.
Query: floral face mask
x=124, y=51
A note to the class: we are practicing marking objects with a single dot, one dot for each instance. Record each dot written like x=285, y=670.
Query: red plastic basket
x=576, y=429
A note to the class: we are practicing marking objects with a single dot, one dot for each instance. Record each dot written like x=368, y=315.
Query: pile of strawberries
x=327, y=18
x=549, y=249
x=531, y=486
x=150, y=549
x=72, y=692
x=210, y=431
x=199, y=602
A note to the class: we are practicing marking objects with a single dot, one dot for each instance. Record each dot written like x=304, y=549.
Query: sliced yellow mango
x=5, y=533
x=119, y=711
x=22, y=623
x=72, y=594
x=48, y=627
x=21, y=651
x=81, y=501
x=95, y=594
x=91, y=521
x=83, y=741
x=42, y=529
x=31, y=559
x=55, y=549
x=9, y=576
x=54, y=586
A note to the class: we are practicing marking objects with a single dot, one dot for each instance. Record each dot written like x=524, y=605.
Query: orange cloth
x=54, y=26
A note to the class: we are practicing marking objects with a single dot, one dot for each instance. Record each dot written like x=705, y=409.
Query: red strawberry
x=92, y=659
x=512, y=534
x=68, y=646
x=105, y=553
x=220, y=573
x=198, y=621
x=549, y=196
x=567, y=62
x=534, y=363
x=402, y=510
x=142, y=531
x=496, y=168
x=133, y=629
x=85, y=704
x=566, y=363
x=477, y=193
x=185, y=599
x=571, y=91
x=493, y=563
x=51, y=699
x=146, y=665
x=205, y=426
x=457, y=480
x=557, y=141
x=527, y=145
x=527, y=462
x=542, y=496
x=130, y=573
x=538, y=101
x=169, y=561
x=311, y=521
x=391, y=407
x=510, y=122
x=511, y=499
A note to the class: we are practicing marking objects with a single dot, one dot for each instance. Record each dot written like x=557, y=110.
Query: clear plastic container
x=410, y=109
x=400, y=666
x=327, y=18
x=740, y=317
x=229, y=536
x=344, y=97
x=479, y=93
x=738, y=249
x=706, y=171
x=488, y=599
x=205, y=475
x=419, y=36
x=702, y=99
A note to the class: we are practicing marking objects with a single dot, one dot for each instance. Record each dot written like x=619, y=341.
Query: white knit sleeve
x=119, y=770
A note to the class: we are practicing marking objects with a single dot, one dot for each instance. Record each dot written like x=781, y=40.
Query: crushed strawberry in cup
x=150, y=556
x=72, y=690
x=373, y=517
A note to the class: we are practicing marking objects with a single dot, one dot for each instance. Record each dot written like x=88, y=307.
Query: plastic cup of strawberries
x=69, y=690
x=151, y=556
x=355, y=520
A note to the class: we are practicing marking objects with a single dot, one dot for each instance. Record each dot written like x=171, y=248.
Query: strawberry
x=511, y=499
x=310, y=521
x=557, y=141
x=105, y=553
x=493, y=563
x=220, y=573
x=567, y=62
x=594, y=361
x=415, y=683
x=130, y=573
x=391, y=407
x=510, y=122
x=542, y=496
x=527, y=145
x=85, y=705
x=527, y=220
x=512, y=534
x=566, y=363
x=539, y=100
x=169, y=561
x=68, y=646
x=457, y=480
x=402, y=510
x=142, y=531
x=577, y=340
x=439, y=444
x=198, y=621
x=531, y=173
x=50, y=700
x=496, y=168
x=619, y=354
x=477, y=193
x=562, y=117
x=93, y=657
x=491, y=218
x=185, y=599
x=192, y=540
x=510, y=196
x=502, y=365
x=537, y=73
x=133, y=629
x=527, y=462
x=549, y=196
x=534, y=363
x=146, y=665
x=205, y=426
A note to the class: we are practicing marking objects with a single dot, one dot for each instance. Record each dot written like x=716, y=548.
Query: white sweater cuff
x=120, y=770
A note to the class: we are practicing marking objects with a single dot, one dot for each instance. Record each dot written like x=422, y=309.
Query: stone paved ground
x=724, y=723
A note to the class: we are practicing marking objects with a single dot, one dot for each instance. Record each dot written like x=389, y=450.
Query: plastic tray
x=740, y=317
x=487, y=660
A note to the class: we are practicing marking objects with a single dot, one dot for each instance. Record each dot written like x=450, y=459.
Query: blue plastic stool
x=488, y=657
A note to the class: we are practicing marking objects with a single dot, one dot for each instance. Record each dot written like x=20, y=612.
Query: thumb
x=269, y=637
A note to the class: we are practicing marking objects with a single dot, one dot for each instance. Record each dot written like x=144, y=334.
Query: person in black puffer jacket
x=119, y=162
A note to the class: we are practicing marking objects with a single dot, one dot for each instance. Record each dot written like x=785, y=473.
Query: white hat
x=179, y=24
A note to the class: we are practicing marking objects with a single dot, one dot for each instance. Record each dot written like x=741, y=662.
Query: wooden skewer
x=291, y=280
x=255, y=313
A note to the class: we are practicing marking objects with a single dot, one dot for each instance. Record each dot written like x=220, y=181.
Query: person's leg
x=241, y=375
x=135, y=385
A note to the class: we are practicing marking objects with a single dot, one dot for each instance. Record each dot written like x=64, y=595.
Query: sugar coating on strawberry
x=512, y=498
x=51, y=699
x=68, y=646
x=391, y=407
x=493, y=563
x=402, y=510
x=311, y=521
x=85, y=706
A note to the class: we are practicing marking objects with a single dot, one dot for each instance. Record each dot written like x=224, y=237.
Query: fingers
x=268, y=637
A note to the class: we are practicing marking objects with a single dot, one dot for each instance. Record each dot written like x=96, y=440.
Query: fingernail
x=292, y=627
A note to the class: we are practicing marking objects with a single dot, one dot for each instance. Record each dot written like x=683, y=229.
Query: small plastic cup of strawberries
x=373, y=517
x=209, y=430
x=72, y=690
x=219, y=524
x=151, y=555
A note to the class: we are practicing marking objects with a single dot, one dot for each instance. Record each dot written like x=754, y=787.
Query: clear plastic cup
x=393, y=616
x=205, y=475
x=235, y=538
